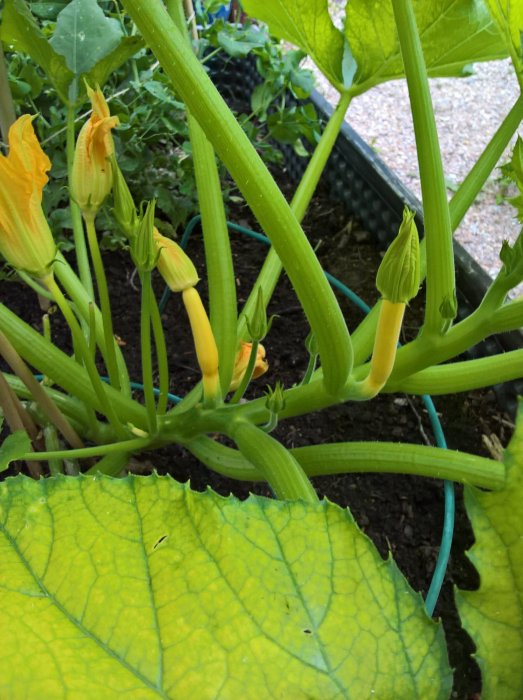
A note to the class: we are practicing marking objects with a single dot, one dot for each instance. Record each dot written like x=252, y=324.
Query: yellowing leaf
x=493, y=615
x=453, y=33
x=141, y=588
x=308, y=25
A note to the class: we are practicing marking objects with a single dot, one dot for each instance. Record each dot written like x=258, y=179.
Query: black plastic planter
x=369, y=190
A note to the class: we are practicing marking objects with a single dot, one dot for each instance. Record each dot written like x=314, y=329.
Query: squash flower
x=242, y=360
x=92, y=174
x=26, y=241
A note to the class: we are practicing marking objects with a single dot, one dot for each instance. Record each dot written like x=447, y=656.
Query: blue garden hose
x=437, y=429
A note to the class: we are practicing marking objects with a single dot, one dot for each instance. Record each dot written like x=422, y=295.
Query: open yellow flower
x=92, y=175
x=242, y=360
x=26, y=241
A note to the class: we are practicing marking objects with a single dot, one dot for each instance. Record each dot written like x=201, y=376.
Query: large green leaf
x=307, y=24
x=508, y=15
x=20, y=31
x=103, y=69
x=493, y=615
x=84, y=35
x=454, y=33
x=142, y=588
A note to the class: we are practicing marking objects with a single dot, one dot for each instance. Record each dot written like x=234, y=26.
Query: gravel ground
x=468, y=112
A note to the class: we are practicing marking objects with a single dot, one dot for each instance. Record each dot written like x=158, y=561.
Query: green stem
x=245, y=380
x=280, y=469
x=38, y=393
x=161, y=355
x=482, y=169
x=52, y=444
x=105, y=305
x=125, y=446
x=256, y=184
x=440, y=283
x=462, y=376
x=83, y=301
x=97, y=384
x=311, y=366
x=82, y=258
x=63, y=370
x=272, y=267
x=70, y=406
x=363, y=457
x=7, y=107
x=218, y=256
x=145, y=345
x=111, y=464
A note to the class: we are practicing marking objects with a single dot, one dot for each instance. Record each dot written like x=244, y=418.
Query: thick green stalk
x=218, y=256
x=111, y=464
x=440, y=283
x=280, y=469
x=363, y=457
x=462, y=376
x=105, y=305
x=272, y=267
x=82, y=258
x=256, y=184
x=145, y=345
x=82, y=301
x=161, y=355
x=483, y=167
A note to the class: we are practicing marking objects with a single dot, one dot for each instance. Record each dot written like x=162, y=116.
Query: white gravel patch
x=468, y=111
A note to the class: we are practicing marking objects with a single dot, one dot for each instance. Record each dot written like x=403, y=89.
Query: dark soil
x=400, y=513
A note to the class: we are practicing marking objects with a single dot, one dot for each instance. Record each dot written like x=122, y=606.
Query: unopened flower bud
x=174, y=264
x=275, y=401
x=258, y=326
x=124, y=208
x=398, y=277
x=144, y=250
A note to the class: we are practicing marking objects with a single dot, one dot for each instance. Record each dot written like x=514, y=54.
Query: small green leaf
x=142, y=588
x=308, y=25
x=13, y=447
x=453, y=33
x=20, y=30
x=493, y=615
x=84, y=35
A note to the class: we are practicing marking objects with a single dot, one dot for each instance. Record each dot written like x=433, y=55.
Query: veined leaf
x=308, y=25
x=509, y=17
x=20, y=30
x=142, y=588
x=454, y=33
x=84, y=35
x=493, y=615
